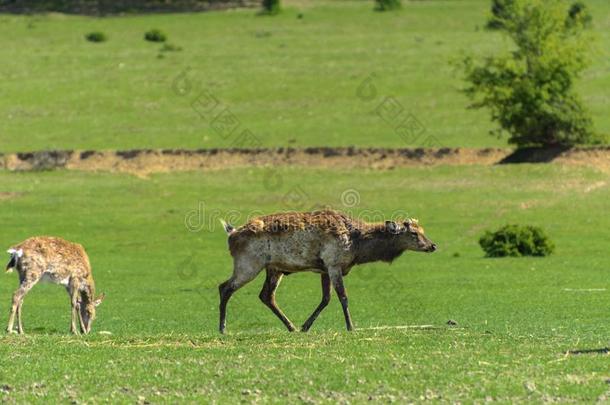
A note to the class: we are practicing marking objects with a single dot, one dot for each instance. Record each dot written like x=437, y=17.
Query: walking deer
x=60, y=262
x=326, y=242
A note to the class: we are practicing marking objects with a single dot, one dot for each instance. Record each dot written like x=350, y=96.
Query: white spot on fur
x=18, y=253
x=48, y=278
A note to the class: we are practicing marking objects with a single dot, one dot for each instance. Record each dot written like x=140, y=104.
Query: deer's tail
x=16, y=255
x=229, y=229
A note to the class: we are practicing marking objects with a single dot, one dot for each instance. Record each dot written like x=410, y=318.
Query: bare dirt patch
x=8, y=196
x=143, y=162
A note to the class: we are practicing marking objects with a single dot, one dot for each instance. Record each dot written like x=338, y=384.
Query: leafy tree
x=530, y=91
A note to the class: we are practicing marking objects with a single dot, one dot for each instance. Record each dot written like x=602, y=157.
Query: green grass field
x=159, y=253
x=291, y=81
x=517, y=318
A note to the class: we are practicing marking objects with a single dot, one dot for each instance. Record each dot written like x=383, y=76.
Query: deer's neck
x=374, y=244
x=88, y=292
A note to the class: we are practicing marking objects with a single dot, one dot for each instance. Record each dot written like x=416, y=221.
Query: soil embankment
x=147, y=161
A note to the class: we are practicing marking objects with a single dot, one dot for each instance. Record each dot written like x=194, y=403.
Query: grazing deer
x=325, y=242
x=60, y=262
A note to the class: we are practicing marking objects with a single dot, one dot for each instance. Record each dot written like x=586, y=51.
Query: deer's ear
x=392, y=227
x=412, y=225
x=99, y=299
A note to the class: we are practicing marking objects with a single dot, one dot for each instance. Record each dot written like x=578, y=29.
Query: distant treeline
x=101, y=7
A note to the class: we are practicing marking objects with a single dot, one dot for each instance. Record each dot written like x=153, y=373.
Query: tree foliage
x=530, y=91
x=499, y=12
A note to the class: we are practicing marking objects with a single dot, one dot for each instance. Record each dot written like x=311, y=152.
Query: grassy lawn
x=516, y=317
x=290, y=81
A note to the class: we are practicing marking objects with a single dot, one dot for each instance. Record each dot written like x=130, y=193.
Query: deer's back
x=54, y=257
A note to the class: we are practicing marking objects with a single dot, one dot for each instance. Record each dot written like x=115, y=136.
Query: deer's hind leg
x=245, y=269
x=19, y=318
x=323, y=303
x=25, y=285
x=267, y=295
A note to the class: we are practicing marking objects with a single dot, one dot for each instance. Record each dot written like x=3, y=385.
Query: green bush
x=516, y=240
x=155, y=35
x=96, y=37
x=530, y=90
x=271, y=7
x=387, y=5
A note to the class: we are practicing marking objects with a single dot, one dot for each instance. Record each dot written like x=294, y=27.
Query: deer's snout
x=432, y=248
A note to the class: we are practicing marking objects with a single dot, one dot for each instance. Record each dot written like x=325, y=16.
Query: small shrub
x=516, y=240
x=262, y=34
x=387, y=5
x=155, y=35
x=271, y=7
x=96, y=37
x=170, y=48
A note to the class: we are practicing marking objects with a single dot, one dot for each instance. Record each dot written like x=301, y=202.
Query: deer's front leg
x=336, y=276
x=75, y=305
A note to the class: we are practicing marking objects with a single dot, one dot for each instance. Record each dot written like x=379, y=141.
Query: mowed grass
x=290, y=81
x=516, y=318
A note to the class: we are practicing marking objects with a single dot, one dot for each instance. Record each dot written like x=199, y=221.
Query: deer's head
x=87, y=312
x=411, y=235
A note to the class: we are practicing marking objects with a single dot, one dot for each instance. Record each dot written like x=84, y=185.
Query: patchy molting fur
x=355, y=241
x=54, y=260
x=326, y=242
